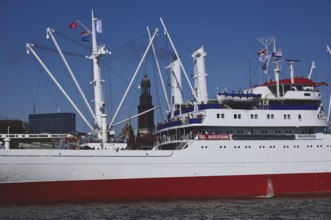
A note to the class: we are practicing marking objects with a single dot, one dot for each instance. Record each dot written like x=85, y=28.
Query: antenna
x=266, y=41
x=250, y=70
x=311, y=69
x=328, y=49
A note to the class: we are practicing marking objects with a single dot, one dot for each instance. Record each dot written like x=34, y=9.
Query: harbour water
x=258, y=208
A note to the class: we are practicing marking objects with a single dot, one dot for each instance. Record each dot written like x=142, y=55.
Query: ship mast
x=266, y=41
x=99, y=103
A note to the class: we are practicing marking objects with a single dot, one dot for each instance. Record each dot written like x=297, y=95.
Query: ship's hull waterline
x=166, y=188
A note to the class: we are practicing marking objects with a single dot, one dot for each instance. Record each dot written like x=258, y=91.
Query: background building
x=12, y=126
x=145, y=121
x=53, y=123
x=146, y=127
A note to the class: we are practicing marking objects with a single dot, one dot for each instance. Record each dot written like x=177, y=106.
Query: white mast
x=99, y=104
x=200, y=84
x=176, y=84
x=276, y=68
x=266, y=41
x=292, y=71
x=291, y=64
x=311, y=69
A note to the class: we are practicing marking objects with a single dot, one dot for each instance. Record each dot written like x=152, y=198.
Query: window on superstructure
x=252, y=116
x=239, y=116
x=272, y=116
x=299, y=117
x=268, y=116
x=222, y=115
x=288, y=116
x=255, y=116
x=285, y=117
x=217, y=115
x=235, y=116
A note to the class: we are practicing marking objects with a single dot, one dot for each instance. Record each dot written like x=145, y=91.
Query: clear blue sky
x=228, y=28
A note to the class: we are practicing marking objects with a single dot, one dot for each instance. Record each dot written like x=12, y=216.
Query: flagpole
x=84, y=26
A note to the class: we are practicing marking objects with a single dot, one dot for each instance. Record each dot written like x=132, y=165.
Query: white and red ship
x=269, y=140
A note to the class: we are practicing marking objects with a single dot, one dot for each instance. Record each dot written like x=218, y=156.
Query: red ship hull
x=164, y=188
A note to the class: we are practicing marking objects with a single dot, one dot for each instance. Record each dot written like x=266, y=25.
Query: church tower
x=145, y=121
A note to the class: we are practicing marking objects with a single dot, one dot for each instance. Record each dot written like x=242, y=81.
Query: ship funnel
x=200, y=84
x=176, y=84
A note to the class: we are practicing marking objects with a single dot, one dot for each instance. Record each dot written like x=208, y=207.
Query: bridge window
x=287, y=116
x=237, y=116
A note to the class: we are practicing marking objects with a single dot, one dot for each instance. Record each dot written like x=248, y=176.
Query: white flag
x=99, y=26
x=265, y=66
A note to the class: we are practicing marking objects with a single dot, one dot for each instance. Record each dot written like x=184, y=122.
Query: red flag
x=85, y=33
x=73, y=25
x=261, y=52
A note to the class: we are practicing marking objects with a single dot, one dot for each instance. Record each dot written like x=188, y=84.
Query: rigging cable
x=47, y=86
x=74, y=41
